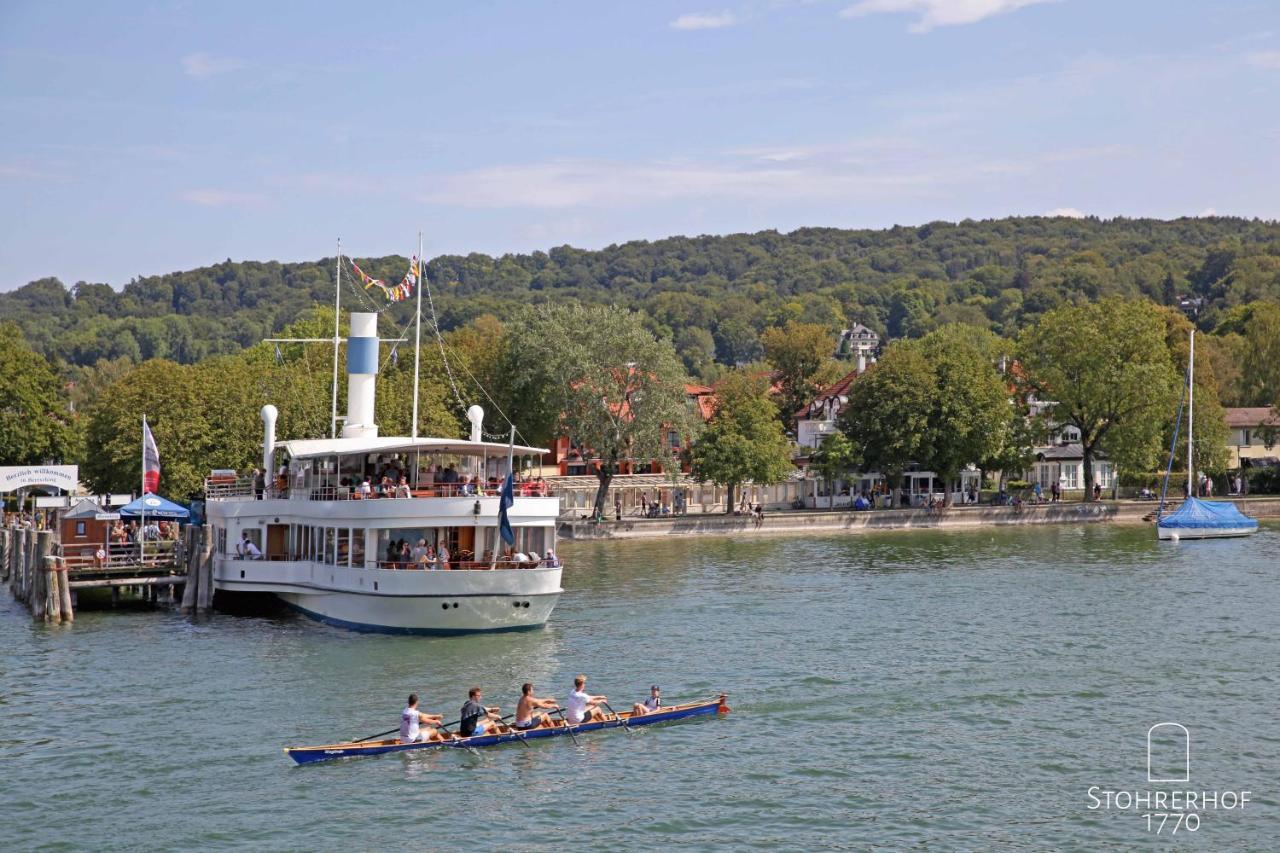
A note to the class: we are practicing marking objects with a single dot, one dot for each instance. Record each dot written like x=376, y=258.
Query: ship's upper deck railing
x=242, y=488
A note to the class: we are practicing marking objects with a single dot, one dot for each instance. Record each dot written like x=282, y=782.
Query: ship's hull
x=424, y=615
x=1178, y=533
x=400, y=601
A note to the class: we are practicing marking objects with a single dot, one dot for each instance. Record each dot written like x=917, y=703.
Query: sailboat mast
x=1191, y=408
x=417, y=338
x=337, y=310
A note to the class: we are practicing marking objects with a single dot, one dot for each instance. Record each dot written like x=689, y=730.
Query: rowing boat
x=627, y=719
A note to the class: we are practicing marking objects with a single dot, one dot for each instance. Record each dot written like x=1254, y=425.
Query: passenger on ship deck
x=402, y=490
x=442, y=557
x=366, y=489
x=417, y=727
x=551, y=560
x=648, y=706
x=526, y=716
x=582, y=707
x=429, y=558
x=533, y=562
x=476, y=719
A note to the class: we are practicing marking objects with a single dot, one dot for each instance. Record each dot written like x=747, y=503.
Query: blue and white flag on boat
x=505, y=502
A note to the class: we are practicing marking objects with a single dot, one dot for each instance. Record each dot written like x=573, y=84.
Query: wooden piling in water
x=205, y=600
x=68, y=613
x=18, y=585
x=53, y=594
x=32, y=568
x=192, y=586
x=11, y=572
x=39, y=595
x=4, y=555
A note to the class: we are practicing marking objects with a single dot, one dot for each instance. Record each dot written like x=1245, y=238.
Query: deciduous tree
x=887, y=416
x=797, y=351
x=597, y=375
x=1106, y=367
x=743, y=442
x=36, y=422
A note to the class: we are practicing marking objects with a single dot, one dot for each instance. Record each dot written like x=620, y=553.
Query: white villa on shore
x=1064, y=464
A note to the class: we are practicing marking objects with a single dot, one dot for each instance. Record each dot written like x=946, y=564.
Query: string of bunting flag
x=393, y=293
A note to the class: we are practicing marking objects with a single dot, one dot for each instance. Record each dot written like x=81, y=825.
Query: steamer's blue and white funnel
x=362, y=376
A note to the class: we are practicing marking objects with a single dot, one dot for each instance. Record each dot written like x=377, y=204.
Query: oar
x=378, y=735
x=394, y=731
x=517, y=732
x=618, y=717
x=560, y=711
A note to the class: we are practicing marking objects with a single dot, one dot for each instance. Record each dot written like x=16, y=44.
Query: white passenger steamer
x=330, y=553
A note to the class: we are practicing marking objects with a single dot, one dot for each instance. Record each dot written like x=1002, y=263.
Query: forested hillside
x=711, y=295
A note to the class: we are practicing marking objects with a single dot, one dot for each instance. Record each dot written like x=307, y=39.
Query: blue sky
x=142, y=138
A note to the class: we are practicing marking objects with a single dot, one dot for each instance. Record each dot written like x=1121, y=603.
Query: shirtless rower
x=582, y=707
x=417, y=727
x=526, y=710
x=648, y=706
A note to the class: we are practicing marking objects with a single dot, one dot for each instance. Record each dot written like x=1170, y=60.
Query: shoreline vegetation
x=947, y=349
x=799, y=522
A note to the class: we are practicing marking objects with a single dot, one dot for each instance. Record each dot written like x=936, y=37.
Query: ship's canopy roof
x=312, y=447
x=1198, y=514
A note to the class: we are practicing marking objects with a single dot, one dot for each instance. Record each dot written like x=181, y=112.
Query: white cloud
x=704, y=21
x=220, y=198
x=570, y=184
x=1068, y=212
x=938, y=13
x=203, y=65
x=1266, y=59
x=1208, y=211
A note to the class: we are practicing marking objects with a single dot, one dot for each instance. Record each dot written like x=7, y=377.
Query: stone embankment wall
x=819, y=521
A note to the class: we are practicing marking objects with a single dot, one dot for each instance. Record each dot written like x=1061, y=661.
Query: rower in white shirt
x=582, y=707
x=417, y=727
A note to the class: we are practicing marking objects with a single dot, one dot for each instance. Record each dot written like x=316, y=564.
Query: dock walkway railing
x=121, y=558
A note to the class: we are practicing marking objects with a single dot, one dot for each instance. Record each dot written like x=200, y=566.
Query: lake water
x=950, y=690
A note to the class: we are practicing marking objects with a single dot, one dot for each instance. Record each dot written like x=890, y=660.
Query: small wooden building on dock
x=84, y=528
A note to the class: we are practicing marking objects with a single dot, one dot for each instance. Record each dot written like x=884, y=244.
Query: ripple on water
x=953, y=690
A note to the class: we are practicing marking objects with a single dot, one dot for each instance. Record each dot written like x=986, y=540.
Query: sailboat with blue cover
x=1196, y=518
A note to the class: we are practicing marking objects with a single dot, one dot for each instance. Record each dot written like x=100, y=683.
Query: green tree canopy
x=743, y=442
x=971, y=417
x=887, y=416
x=36, y=422
x=797, y=351
x=833, y=458
x=940, y=402
x=597, y=375
x=1107, y=368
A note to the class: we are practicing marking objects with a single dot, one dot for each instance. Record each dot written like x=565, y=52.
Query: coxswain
x=648, y=706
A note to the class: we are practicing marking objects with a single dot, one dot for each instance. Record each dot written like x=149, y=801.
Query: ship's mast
x=337, y=312
x=417, y=338
x=1191, y=408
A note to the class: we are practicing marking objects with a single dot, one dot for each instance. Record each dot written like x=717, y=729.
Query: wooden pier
x=46, y=579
